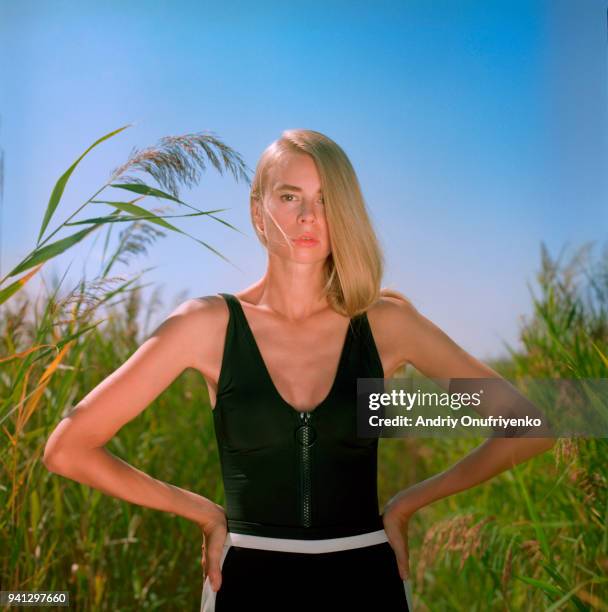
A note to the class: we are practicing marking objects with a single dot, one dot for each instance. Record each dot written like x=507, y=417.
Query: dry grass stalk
x=458, y=534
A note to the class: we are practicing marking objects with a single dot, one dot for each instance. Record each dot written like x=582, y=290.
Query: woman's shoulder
x=389, y=308
x=391, y=319
x=206, y=318
x=208, y=312
x=205, y=306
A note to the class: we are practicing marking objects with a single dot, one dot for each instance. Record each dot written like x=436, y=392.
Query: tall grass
x=56, y=534
x=534, y=538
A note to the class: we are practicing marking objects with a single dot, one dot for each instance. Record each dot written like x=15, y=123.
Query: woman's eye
x=290, y=195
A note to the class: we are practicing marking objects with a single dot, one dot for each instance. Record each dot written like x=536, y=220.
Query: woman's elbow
x=52, y=463
x=53, y=458
x=56, y=458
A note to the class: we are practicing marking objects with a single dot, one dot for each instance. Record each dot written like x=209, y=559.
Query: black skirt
x=358, y=579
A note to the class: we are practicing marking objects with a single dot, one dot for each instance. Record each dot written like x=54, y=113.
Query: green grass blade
x=146, y=190
x=559, y=579
x=546, y=587
x=141, y=213
x=540, y=532
x=116, y=219
x=51, y=250
x=603, y=357
x=61, y=183
x=570, y=596
x=14, y=287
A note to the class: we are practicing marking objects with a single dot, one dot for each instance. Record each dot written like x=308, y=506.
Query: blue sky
x=477, y=129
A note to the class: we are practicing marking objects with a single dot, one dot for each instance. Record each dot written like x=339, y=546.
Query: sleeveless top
x=289, y=473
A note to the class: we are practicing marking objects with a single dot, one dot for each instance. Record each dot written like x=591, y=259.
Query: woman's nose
x=307, y=211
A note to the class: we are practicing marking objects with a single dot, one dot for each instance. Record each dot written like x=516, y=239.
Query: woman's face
x=294, y=199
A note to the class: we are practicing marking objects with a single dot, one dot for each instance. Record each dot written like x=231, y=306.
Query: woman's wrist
x=415, y=497
x=195, y=507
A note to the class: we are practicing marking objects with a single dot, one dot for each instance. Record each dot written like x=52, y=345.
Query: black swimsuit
x=299, y=475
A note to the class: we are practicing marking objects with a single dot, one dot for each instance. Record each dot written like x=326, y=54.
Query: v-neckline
x=284, y=402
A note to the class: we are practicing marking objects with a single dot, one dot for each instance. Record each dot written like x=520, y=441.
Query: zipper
x=305, y=435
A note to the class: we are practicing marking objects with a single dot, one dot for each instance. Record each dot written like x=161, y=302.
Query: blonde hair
x=354, y=269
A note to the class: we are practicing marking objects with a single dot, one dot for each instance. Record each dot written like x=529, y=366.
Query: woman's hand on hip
x=215, y=529
x=396, y=516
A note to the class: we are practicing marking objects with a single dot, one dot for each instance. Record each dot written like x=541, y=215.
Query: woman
x=302, y=527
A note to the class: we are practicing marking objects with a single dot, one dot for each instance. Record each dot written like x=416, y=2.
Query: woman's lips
x=311, y=242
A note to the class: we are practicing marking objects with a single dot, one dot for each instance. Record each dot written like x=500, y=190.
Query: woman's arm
x=487, y=460
x=75, y=448
x=433, y=353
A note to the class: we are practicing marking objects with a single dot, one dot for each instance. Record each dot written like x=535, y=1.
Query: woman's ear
x=259, y=221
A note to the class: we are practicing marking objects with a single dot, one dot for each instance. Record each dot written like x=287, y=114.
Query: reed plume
x=179, y=160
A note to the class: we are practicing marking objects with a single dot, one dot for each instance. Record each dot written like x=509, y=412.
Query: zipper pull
x=305, y=433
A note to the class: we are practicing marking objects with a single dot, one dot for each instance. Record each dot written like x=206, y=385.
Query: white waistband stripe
x=306, y=546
